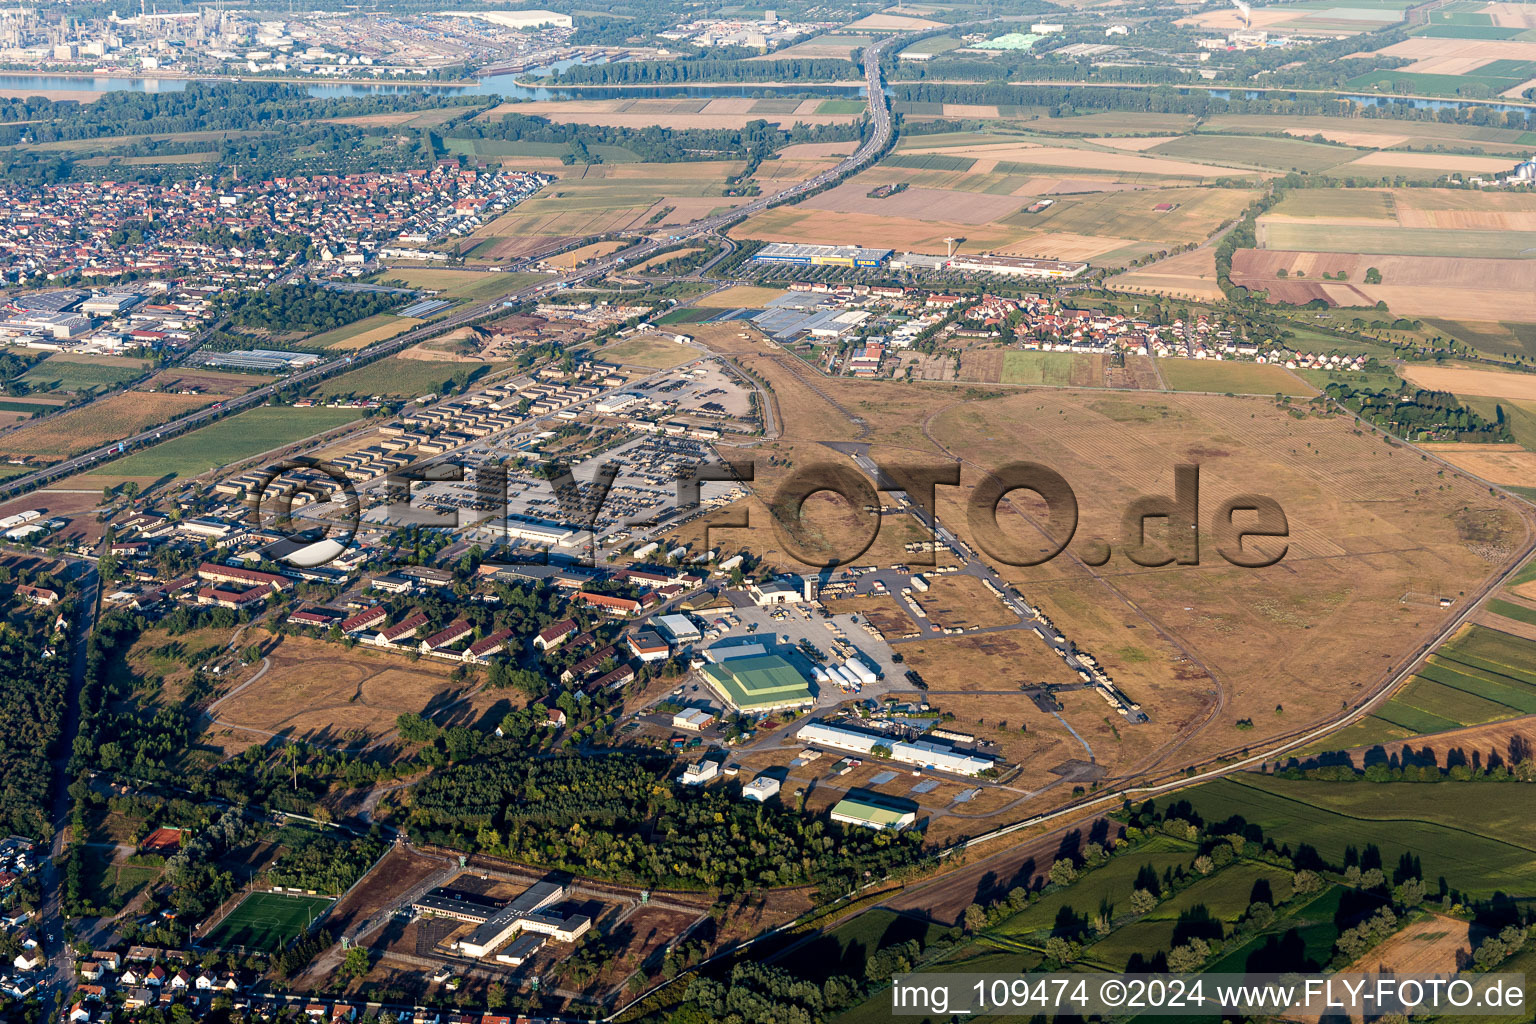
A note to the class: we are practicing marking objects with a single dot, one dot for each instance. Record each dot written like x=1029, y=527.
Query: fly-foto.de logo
x=1154, y=529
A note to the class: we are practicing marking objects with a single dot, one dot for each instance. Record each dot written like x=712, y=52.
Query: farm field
x=1265, y=154
x=1466, y=380
x=989, y=154
x=1375, y=134
x=1413, y=286
x=83, y=374
x=399, y=376
x=455, y=284
x=101, y=422
x=266, y=921
x=598, y=198
x=1059, y=369
x=1188, y=275
x=1492, y=337
x=227, y=441
x=362, y=333
x=1333, y=236
x=1508, y=465
x=1225, y=377
x=1482, y=675
x=1467, y=832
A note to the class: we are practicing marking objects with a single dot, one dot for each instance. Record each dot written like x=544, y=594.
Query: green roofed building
x=852, y=810
x=764, y=683
x=1011, y=41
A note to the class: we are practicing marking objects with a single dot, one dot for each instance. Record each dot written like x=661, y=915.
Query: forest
x=656, y=144
x=1421, y=415
x=328, y=864
x=34, y=671
x=618, y=817
x=303, y=307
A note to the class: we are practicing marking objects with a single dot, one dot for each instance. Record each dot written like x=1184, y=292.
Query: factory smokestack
x=1247, y=12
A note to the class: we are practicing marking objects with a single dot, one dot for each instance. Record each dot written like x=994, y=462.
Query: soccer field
x=266, y=921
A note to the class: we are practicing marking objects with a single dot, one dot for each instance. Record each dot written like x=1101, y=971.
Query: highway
x=874, y=142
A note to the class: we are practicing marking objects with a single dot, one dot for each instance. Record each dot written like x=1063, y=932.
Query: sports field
x=266, y=921
x=229, y=441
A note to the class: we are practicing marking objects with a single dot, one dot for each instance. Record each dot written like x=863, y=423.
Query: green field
x=1257, y=152
x=1397, y=241
x=1503, y=340
x=1111, y=884
x=1333, y=203
x=229, y=440
x=78, y=374
x=1312, y=928
x=1224, y=895
x=930, y=162
x=1225, y=377
x=841, y=107
x=1510, y=610
x=686, y=315
x=1467, y=32
x=1053, y=368
x=407, y=378
x=455, y=284
x=1382, y=80
x=1476, y=834
x=1483, y=675
x=266, y=921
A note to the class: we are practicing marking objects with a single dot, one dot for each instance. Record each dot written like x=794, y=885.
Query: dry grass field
x=98, y=423
x=959, y=600
x=1359, y=536
x=918, y=203
x=1468, y=381
x=1413, y=286
x=325, y=694
x=988, y=155
x=1438, y=163
x=568, y=260
x=891, y=23
x=1435, y=945
x=739, y=297
x=1189, y=275
x=1503, y=464
x=369, y=331
x=204, y=382
x=1200, y=647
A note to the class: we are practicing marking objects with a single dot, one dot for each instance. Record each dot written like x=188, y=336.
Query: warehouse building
x=822, y=255
x=766, y=683
x=1018, y=266
x=923, y=753
x=871, y=812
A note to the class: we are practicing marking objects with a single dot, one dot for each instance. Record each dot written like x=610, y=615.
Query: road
x=875, y=140
x=60, y=972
